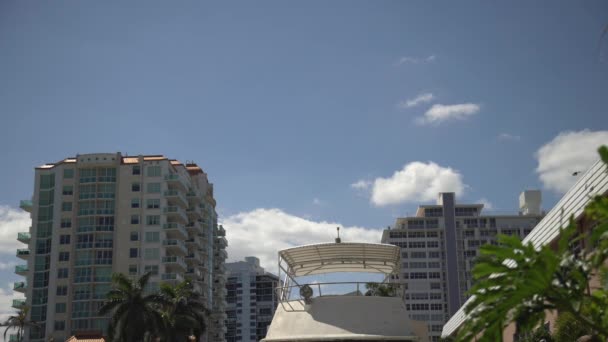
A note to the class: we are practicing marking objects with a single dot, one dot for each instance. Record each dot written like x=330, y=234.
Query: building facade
x=251, y=300
x=97, y=214
x=438, y=248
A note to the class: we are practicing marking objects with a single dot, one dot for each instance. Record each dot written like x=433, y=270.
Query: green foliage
x=19, y=321
x=569, y=329
x=518, y=283
x=540, y=334
x=173, y=313
x=381, y=290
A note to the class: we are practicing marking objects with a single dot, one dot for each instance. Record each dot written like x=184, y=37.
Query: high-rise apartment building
x=251, y=300
x=97, y=214
x=438, y=250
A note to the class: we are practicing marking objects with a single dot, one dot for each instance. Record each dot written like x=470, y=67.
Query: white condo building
x=251, y=300
x=438, y=248
x=96, y=214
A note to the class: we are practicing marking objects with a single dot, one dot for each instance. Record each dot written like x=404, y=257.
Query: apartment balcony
x=194, y=196
x=194, y=274
x=176, y=213
x=194, y=227
x=21, y=269
x=221, y=241
x=202, y=266
x=221, y=231
x=194, y=213
x=221, y=254
x=20, y=286
x=175, y=246
x=172, y=277
x=23, y=253
x=26, y=205
x=175, y=197
x=193, y=242
x=176, y=180
x=175, y=230
x=192, y=258
x=219, y=268
x=174, y=263
x=24, y=237
x=18, y=303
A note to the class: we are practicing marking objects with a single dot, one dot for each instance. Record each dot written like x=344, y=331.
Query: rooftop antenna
x=338, y=240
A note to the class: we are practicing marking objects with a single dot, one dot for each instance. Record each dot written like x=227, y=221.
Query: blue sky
x=283, y=103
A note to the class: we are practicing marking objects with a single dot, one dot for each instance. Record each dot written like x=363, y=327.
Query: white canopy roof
x=341, y=257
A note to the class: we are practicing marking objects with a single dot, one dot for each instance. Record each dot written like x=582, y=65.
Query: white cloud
x=567, y=153
x=7, y=265
x=439, y=113
x=487, y=205
x=6, y=302
x=361, y=184
x=422, y=98
x=263, y=232
x=508, y=137
x=415, y=60
x=12, y=221
x=416, y=182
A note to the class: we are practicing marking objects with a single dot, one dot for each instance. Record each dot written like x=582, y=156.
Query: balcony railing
x=23, y=253
x=20, y=286
x=177, y=212
x=175, y=228
x=18, y=303
x=174, y=260
x=26, y=205
x=172, y=277
x=21, y=269
x=176, y=179
x=24, y=237
x=175, y=244
x=175, y=196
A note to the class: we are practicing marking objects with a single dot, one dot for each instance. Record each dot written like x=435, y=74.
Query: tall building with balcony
x=438, y=250
x=251, y=300
x=97, y=214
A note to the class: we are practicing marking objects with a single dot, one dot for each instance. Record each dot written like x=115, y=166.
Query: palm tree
x=19, y=322
x=134, y=314
x=183, y=310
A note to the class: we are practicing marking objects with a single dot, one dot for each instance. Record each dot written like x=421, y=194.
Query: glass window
x=60, y=307
x=134, y=219
x=153, y=171
x=62, y=290
x=62, y=273
x=153, y=269
x=152, y=236
x=153, y=203
x=133, y=252
x=64, y=239
x=153, y=188
x=66, y=222
x=153, y=220
x=66, y=206
x=59, y=325
x=135, y=203
x=134, y=236
x=132, y=269
x=151, y=254
x=68, y=190
x=68, y=173
x=64, y=256
x=136, y=170
x=135, y=187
